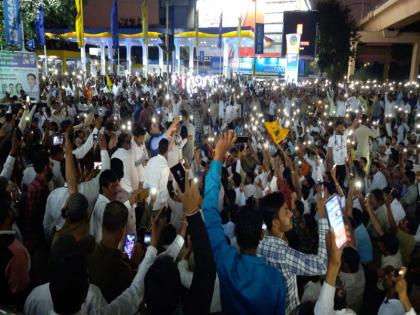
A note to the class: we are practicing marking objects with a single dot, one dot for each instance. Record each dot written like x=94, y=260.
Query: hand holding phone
x=336, y=220
x=58, y=139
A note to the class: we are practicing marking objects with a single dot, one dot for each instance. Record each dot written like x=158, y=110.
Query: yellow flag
x=79, y=24
x=276, y=132
x=108, y=82
x=145, y=21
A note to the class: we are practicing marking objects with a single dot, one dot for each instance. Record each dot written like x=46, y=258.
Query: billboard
x=264, y=65
x=303, y=23
x=18, y=70
x=210, y=10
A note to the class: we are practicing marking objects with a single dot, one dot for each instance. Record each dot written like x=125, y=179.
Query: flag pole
x=45, y=60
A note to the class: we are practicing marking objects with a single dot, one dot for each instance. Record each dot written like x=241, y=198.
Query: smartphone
x=129, y=243
x=147, y=238
x=58, y=139
x=178, y=172
x=336, y=220
x=97, y=165
x=95, y=138
x=28, y=99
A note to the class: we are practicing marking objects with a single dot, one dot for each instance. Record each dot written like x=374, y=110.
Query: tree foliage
x=58, y=14
x=337, y=31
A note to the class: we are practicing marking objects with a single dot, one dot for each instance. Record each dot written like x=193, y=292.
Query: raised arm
x=70, y=166
x=373, y=218
x=201, y=290
x=84, y=149
x=211, y=198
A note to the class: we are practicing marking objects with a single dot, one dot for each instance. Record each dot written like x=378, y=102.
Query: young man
x=291, y=263
x=157, y=175
x=108, y=268
x=36, y=200
x=247, y=284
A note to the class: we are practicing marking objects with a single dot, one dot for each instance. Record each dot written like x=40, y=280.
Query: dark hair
x=106, y=178
x=31, y=75
x=390, y=243
x=69, y=274
x=121, y=139
x=162, y=286
x=184, y=113
x=378, y=195
x=270, y=206
x=411, y=176
x=364, y=159
x=167, y=236
x=138, y=131
x=236, y=179
x=248, y=227
x=40, y=161
x=163, y=146
x=352, y=258
x=117, y=166
x=115, y=216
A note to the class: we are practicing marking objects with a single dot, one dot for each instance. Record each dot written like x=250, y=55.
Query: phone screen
x=336, y=220
x=130, y=241
x=97, y=165
x=58, y=139
x=147, y=238
x=95, y=138
x=178, y=172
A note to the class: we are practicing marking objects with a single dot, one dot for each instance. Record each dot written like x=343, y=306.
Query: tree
x=58, y=14
x=337, y=31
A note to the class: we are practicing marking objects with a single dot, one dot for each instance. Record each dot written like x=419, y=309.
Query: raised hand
x=191, y=198
x=226, y=141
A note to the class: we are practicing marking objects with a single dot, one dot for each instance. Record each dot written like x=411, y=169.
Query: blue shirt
x=247, y=284
x=363, y=244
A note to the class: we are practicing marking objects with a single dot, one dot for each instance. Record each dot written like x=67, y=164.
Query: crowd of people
x=133, y=195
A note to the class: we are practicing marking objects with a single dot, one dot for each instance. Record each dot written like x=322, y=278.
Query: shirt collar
x=274, y=239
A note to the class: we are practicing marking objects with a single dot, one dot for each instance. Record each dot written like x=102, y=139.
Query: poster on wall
x=18, y=71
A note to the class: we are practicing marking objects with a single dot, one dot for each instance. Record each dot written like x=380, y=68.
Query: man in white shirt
x=157, y=175
x=187, y=132
x=128, y=182
x=57, y=198
x=56, y=157
x=377, y=179
x=139, y=153
x=70, y=274
x=109, y=190
x=337, y=151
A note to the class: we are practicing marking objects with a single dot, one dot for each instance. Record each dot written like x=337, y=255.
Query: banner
x=18, y=70
x=145, y=21
x=219, y=41
x=114, y=25
x=259, y=38
x=12, y=22
x=201, y=57
x=79, y=24
x=39, y=27
x=277, y=133
x=292, y=43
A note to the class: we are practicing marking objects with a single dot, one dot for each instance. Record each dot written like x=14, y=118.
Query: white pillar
x=128, y=47
x=236, y=49
x=145, y=58
x=110, y=61
x=103, y=59
x=225, y=57
x=161, y=59
x=191, y=59
x=83, y=58
x=178, y=58
x=415, y=62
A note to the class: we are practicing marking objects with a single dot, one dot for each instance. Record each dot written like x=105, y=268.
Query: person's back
x=108, y=269
x=247, y=284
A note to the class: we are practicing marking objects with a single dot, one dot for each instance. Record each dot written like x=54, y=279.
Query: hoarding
x=18, y=70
